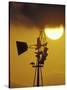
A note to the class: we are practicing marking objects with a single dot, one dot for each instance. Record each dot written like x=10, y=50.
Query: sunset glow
x=54, y=33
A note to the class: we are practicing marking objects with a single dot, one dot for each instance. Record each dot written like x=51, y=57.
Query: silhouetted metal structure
x=40, y=55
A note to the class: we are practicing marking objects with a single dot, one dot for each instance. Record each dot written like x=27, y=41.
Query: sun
x=54, y=33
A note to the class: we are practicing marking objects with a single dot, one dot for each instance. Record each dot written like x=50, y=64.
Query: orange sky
x=20, y=68
x=21, y=72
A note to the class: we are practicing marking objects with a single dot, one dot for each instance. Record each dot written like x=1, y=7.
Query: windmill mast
x=41, y=56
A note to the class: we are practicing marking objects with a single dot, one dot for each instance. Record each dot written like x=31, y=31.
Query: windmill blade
x=21, y=47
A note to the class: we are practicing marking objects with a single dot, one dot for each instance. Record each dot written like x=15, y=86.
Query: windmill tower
x=40, y=53
x=40, y=58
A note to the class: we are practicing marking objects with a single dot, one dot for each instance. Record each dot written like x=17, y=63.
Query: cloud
x=37, y=14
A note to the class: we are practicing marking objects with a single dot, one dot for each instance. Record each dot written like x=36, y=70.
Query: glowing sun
x=54, y=33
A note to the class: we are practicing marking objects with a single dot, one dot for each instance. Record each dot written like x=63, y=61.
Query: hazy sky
x=25, y=22
x=37, y=14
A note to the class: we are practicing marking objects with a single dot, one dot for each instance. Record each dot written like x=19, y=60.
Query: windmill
x=40, y=53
